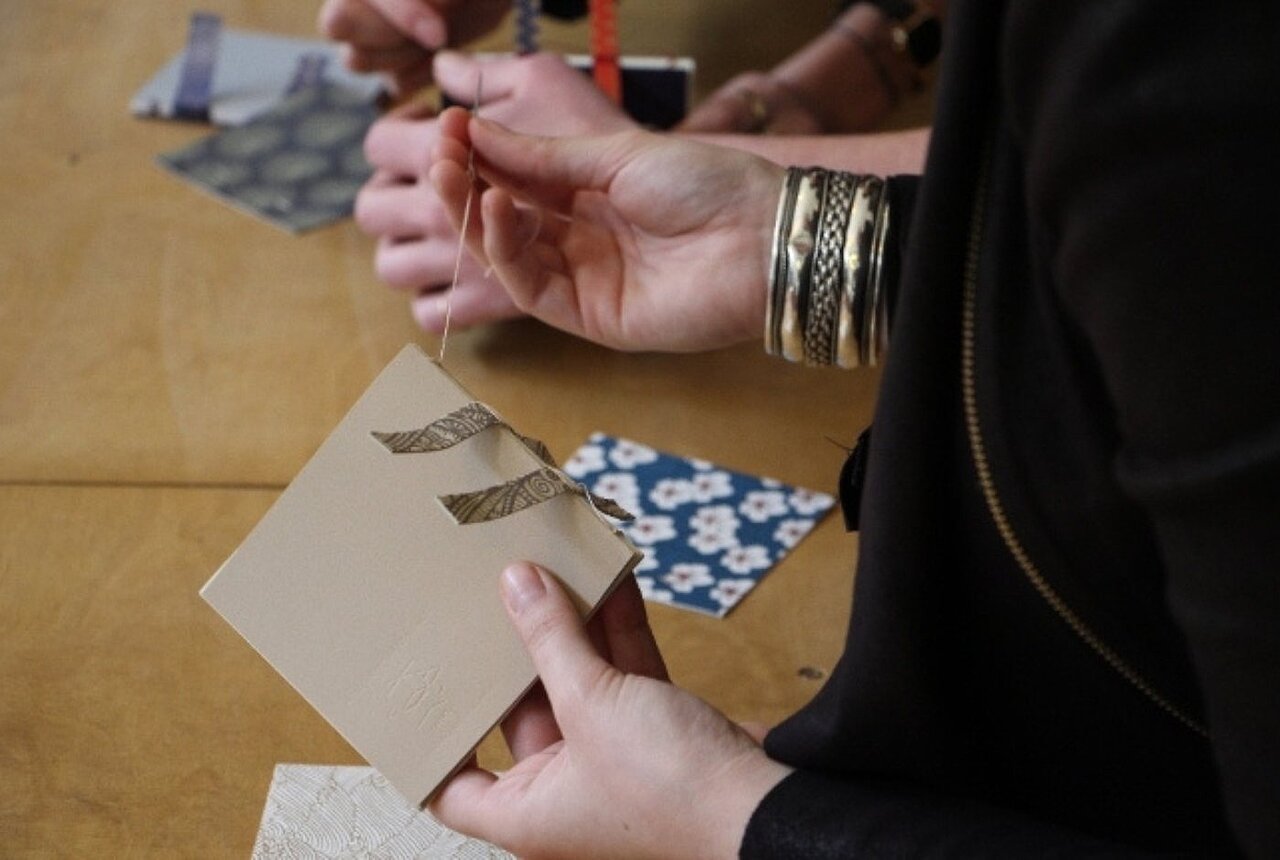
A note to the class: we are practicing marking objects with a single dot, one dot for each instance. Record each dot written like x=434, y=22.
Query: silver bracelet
x=875, y=336
x=778, y=263
x=824, y=294
x=857, y=250
x=826, y=302
x=801, y=243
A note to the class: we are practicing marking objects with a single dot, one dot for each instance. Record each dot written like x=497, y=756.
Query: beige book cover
x=365, y=594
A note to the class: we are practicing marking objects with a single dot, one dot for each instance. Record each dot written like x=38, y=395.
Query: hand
x=753, y=103
x=619, y=764
x=398, y=37
x=417, y=243
x=633, y=240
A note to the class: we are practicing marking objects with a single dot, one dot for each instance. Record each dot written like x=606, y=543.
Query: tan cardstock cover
x=364, y=594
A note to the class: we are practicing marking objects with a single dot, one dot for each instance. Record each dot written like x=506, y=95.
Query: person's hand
x=417, y=244
x=633, y=240
x=398, y=37
x=611, y=762
x=752, y=103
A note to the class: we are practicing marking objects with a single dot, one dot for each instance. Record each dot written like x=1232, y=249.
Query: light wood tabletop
x=167, y=364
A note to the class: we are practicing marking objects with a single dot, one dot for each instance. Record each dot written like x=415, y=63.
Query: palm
x=645, y=264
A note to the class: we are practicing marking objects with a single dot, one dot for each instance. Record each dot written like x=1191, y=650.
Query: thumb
x=553, y=634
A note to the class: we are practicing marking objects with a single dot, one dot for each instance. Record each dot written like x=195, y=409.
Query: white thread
x=466, y=220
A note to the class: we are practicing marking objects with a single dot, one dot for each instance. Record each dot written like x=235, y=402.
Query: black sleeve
x=1153, y=185
x=817, y=817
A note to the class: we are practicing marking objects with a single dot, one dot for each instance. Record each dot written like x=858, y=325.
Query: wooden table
x=166, y=366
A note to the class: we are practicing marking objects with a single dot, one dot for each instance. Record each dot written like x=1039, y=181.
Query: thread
x=466, y=222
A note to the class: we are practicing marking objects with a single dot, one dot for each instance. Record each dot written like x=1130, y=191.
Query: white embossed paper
x=360, y=588
x=353, y=813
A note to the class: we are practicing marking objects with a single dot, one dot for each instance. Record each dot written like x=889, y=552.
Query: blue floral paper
x=708, y=534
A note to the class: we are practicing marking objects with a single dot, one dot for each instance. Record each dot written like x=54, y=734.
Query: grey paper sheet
x=297, y=166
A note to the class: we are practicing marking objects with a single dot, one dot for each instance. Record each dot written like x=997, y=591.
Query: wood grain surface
x=167, y=364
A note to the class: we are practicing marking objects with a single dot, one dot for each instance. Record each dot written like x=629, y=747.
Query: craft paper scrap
x=297, y=166
x=251, y=74
x=353, y=812
x=362, y=591
x=709, y=534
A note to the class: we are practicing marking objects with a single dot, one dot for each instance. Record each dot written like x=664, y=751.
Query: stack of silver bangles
x=827, y=303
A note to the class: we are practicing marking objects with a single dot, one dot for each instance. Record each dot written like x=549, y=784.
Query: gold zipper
x=992, y=495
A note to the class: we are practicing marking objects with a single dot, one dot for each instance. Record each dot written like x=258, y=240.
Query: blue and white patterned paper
x=708, y=534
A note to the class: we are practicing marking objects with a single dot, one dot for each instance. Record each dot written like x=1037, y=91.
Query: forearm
x=883, y=153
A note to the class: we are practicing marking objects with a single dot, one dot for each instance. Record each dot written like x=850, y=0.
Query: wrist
x=737, y=794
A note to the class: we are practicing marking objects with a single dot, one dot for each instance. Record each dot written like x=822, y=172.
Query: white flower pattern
x=744, y=559
x=649, y=592
x=708, y=534
x=684, y=578
x=584, y=461
x=760, y=505
x=728, y=592
x=670, y=493
x=808, y=503
x=791, y=532
x=622, y=488
x=628, y=455
x=708, y=486
x=651, y=529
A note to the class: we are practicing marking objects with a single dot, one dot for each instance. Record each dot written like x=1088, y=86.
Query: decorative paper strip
x=503, y=500
x=709, y=534
x=322, y=811
x=457, y=426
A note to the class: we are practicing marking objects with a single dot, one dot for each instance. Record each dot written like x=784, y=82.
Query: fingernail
x=521, y=586
x=447, y=61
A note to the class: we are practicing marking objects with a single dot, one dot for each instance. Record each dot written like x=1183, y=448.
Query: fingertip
x=429, y=30
x=449, y=67
x=523, y=585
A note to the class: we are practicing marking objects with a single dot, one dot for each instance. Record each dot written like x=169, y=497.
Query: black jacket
x=1066, y=626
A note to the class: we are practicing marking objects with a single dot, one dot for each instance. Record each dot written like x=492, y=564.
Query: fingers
x=404, y=57
x=413, y=264
x=416, y=19
x=530, y=727
x=476, y=300
x=552, y=632
x=401, y=146
x=355, y=22
x=632, y=647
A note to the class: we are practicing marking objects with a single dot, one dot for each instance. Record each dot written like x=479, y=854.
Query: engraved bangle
x=801, y=241
x=825, y=284
x=778, y=262
x=871, y=319
x=857, y=250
